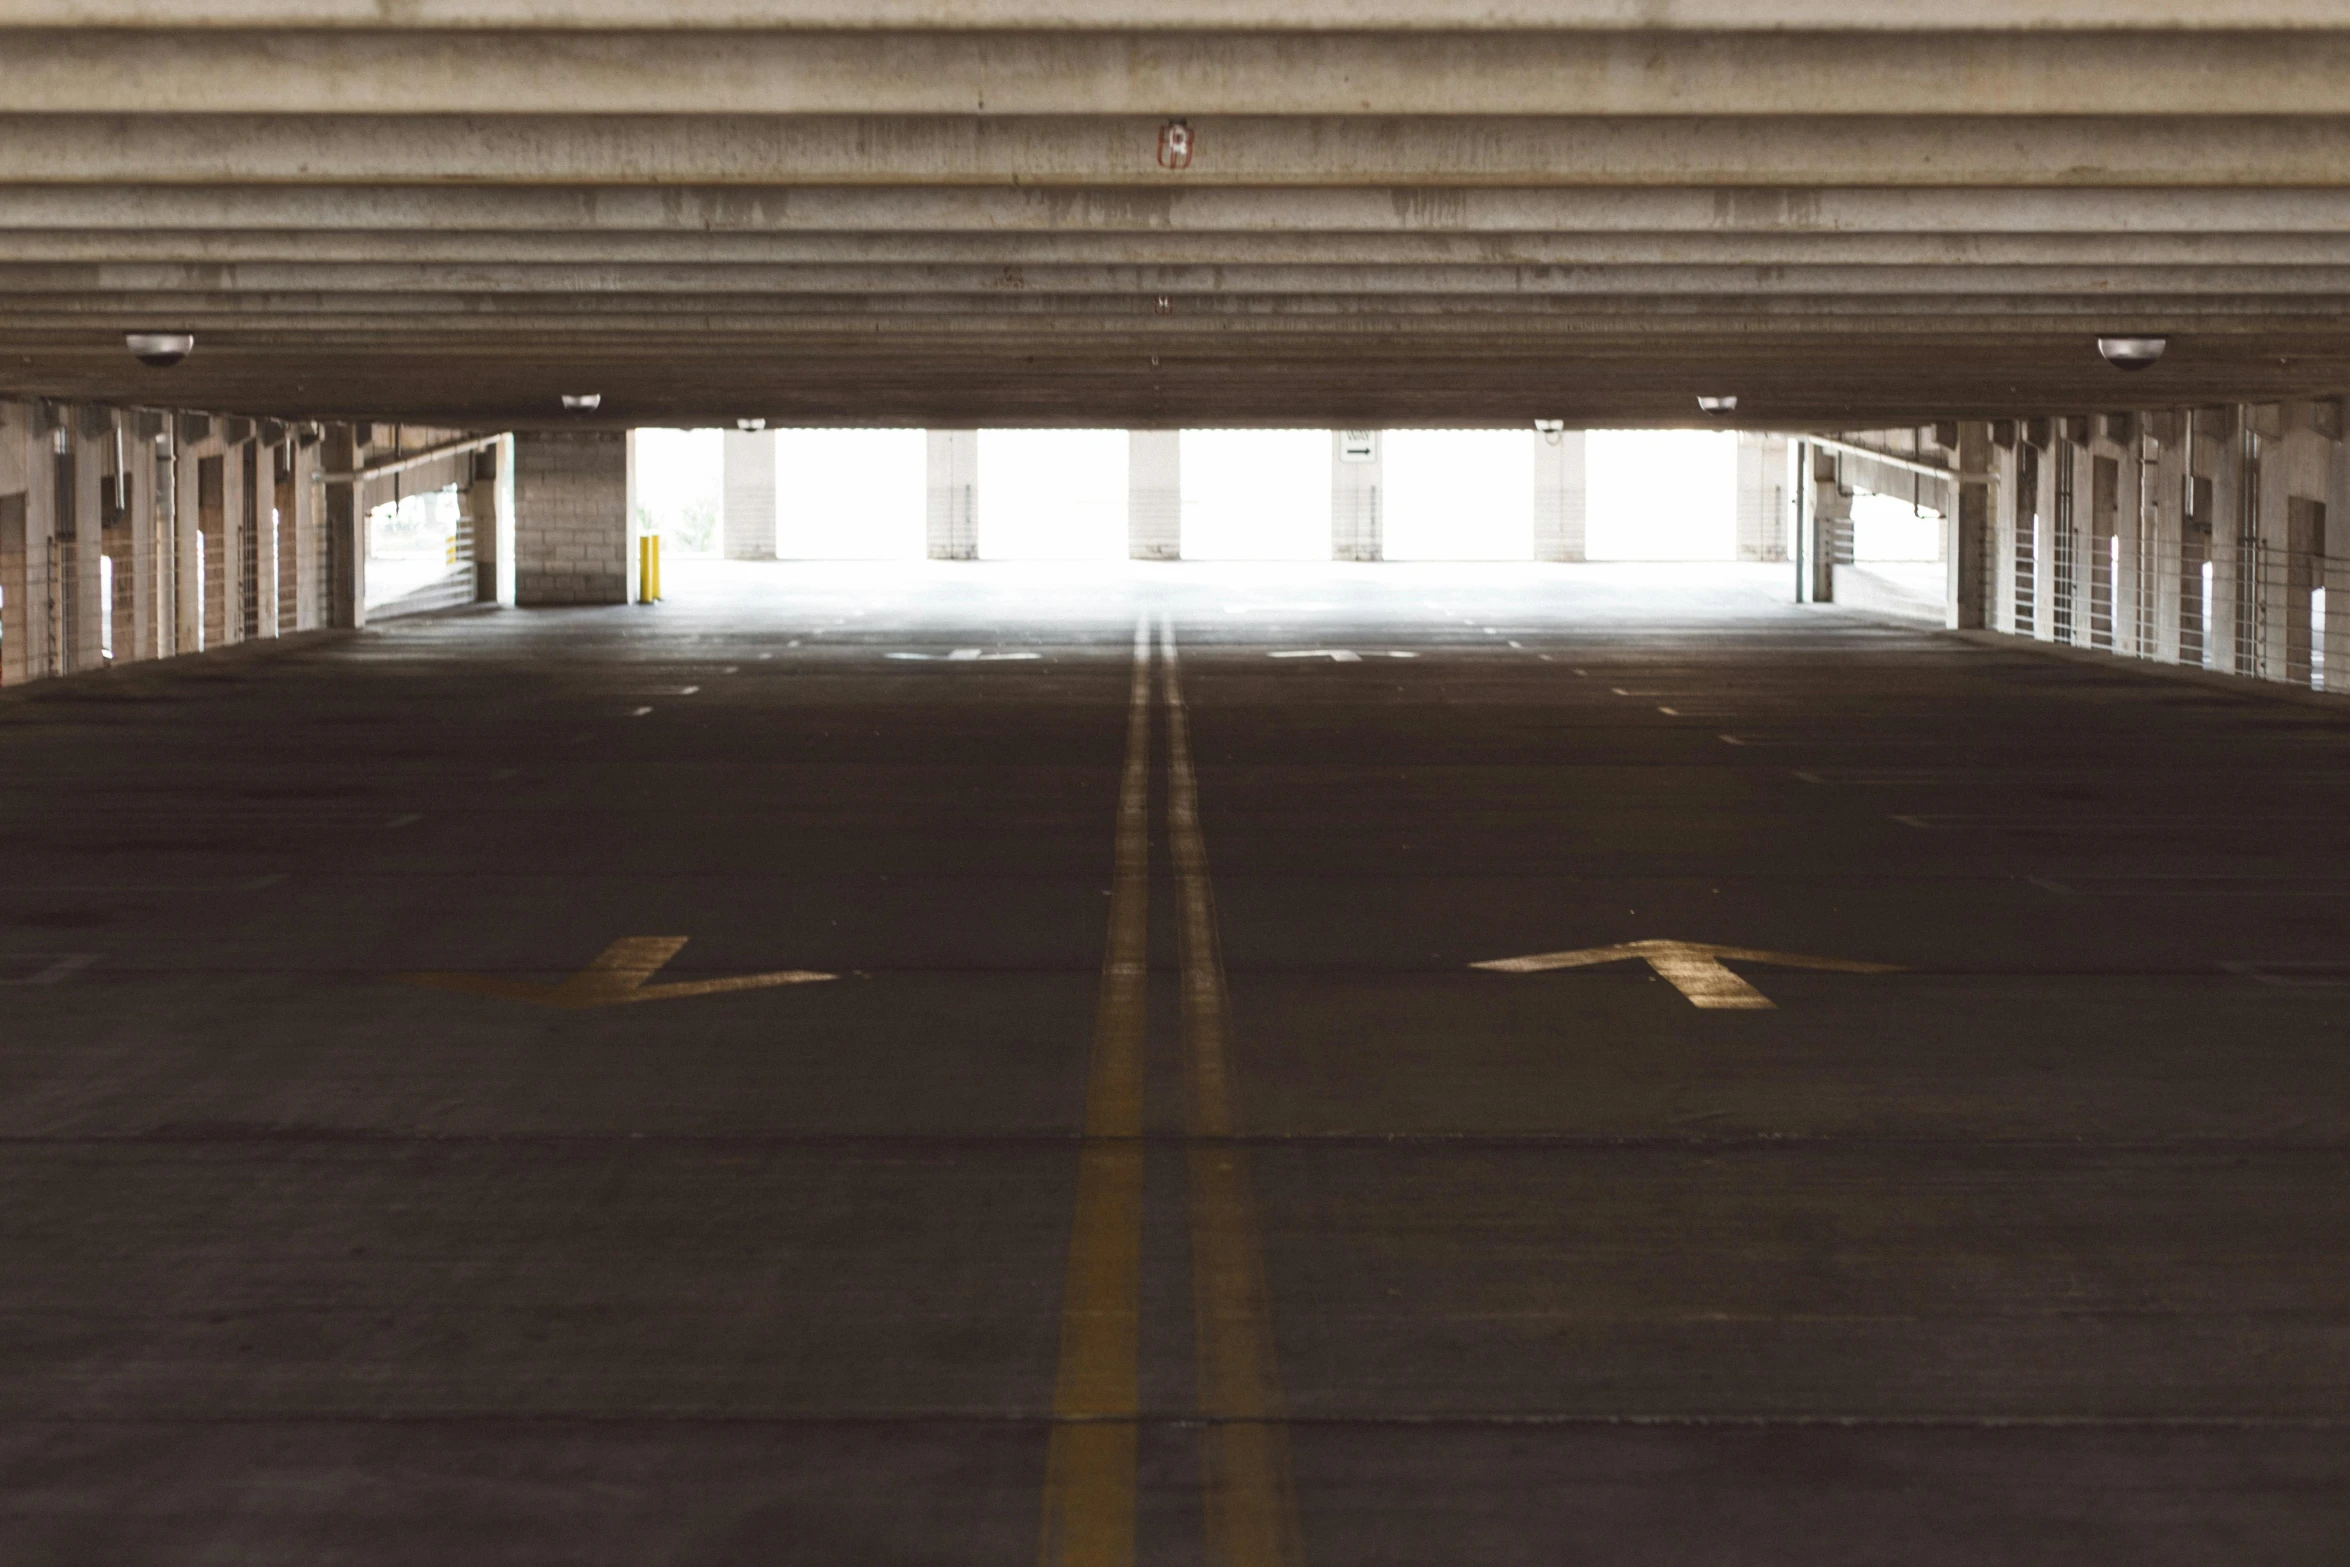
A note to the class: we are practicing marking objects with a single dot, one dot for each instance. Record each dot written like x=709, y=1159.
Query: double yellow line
x=1248, y=1506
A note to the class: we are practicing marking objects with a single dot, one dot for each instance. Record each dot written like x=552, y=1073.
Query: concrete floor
x=2033, y=1252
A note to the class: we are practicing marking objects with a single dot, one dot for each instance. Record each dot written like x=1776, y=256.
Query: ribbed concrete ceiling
x=930, y=212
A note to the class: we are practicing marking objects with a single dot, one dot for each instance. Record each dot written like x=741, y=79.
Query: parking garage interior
x=1048, y=781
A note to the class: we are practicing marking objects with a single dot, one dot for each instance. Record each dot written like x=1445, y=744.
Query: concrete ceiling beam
x=591, y=209
x=985, y=286
x=190, y=248
x=1578, y=73
x=2119, y=16
x=1080, y=151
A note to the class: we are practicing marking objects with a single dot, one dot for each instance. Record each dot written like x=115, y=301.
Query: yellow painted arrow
x=1693, y=968
x=617, y=977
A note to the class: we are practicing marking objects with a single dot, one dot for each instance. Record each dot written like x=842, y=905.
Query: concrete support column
x=267, y=538
x=81, y=517
x=490, y=544
x=2162, y=556
x=1830, y=512
x=1966, y=545
x=228, y=581
x=146, y=483
x=1560, y=495
x=574, y=536
x=1355, y=532
x=189, y=541
x=1154, y=494
x=2333, y=652
x=747, y=490
x=20, y=597
x=339, y=535
x=953, y=521
x=2133, y=620
x=1762, y=496
x=2001, y=562
x=309, y=537
x=2222, y=429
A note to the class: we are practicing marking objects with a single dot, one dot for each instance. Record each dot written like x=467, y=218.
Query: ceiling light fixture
x=582, y=402
x=2132, y=353
x=750, y=426
x=1717, y=405
x=160, y=349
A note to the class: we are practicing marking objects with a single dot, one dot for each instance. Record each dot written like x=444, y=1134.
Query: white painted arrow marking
x=1336, y=655
x=617, y=977
x=1693, y=968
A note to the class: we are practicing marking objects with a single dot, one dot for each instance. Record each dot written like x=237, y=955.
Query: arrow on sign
x=1693, y=968
x=617, y=977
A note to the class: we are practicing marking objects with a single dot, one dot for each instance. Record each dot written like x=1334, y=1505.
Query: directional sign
x=1693, y=968
x=616, y=978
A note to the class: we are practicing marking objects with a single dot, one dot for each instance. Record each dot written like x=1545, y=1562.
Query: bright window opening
x=850, y=494
x=1661, y=495
x=412, y=549
x=1457, y=494
x=678, y=475
x=1892, y=528
x=1052, y=494
x=1256, y=494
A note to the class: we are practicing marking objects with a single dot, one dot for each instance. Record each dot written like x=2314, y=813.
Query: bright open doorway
x=1256, y=494
x=1052, y=494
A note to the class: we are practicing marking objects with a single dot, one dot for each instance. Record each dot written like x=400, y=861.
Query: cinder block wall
x=572, y=532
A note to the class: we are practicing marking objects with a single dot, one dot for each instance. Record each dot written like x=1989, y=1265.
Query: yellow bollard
x=648, y=569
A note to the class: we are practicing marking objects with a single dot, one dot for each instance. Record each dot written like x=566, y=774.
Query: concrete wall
x=2187, y=536
x=574, y=539
x=105, y=514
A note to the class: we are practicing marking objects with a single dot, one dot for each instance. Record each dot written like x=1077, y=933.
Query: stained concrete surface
x=2032, y=1251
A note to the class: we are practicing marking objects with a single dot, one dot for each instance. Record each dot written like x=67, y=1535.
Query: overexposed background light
x=1890, y=527
x=1052, y=494
x=677, y=488
x=851, y=494
x=1661, y=495
x=1457, y=494
x=1256, y=494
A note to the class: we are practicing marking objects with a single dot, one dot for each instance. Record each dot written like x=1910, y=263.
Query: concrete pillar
x=1154, y=494
x=188, y=598
x=2133, y=622
x=2333, y=653
x=1560, y=495
x=748, y=494
x=310, y=583
x=19, y=636
x=262, y=506
x=2101, y=528
x=574, y=534
x=479, y=499
x=1355, y=533
x=2162, y=559
x=1762, y=496
x=1830, y=513
x=81, y=517
x=2002, y=555
x=2224, y=439
x=228, y=581
x=952, y=528
x=146, y=485
x=1966, y=545
x=505, y=522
